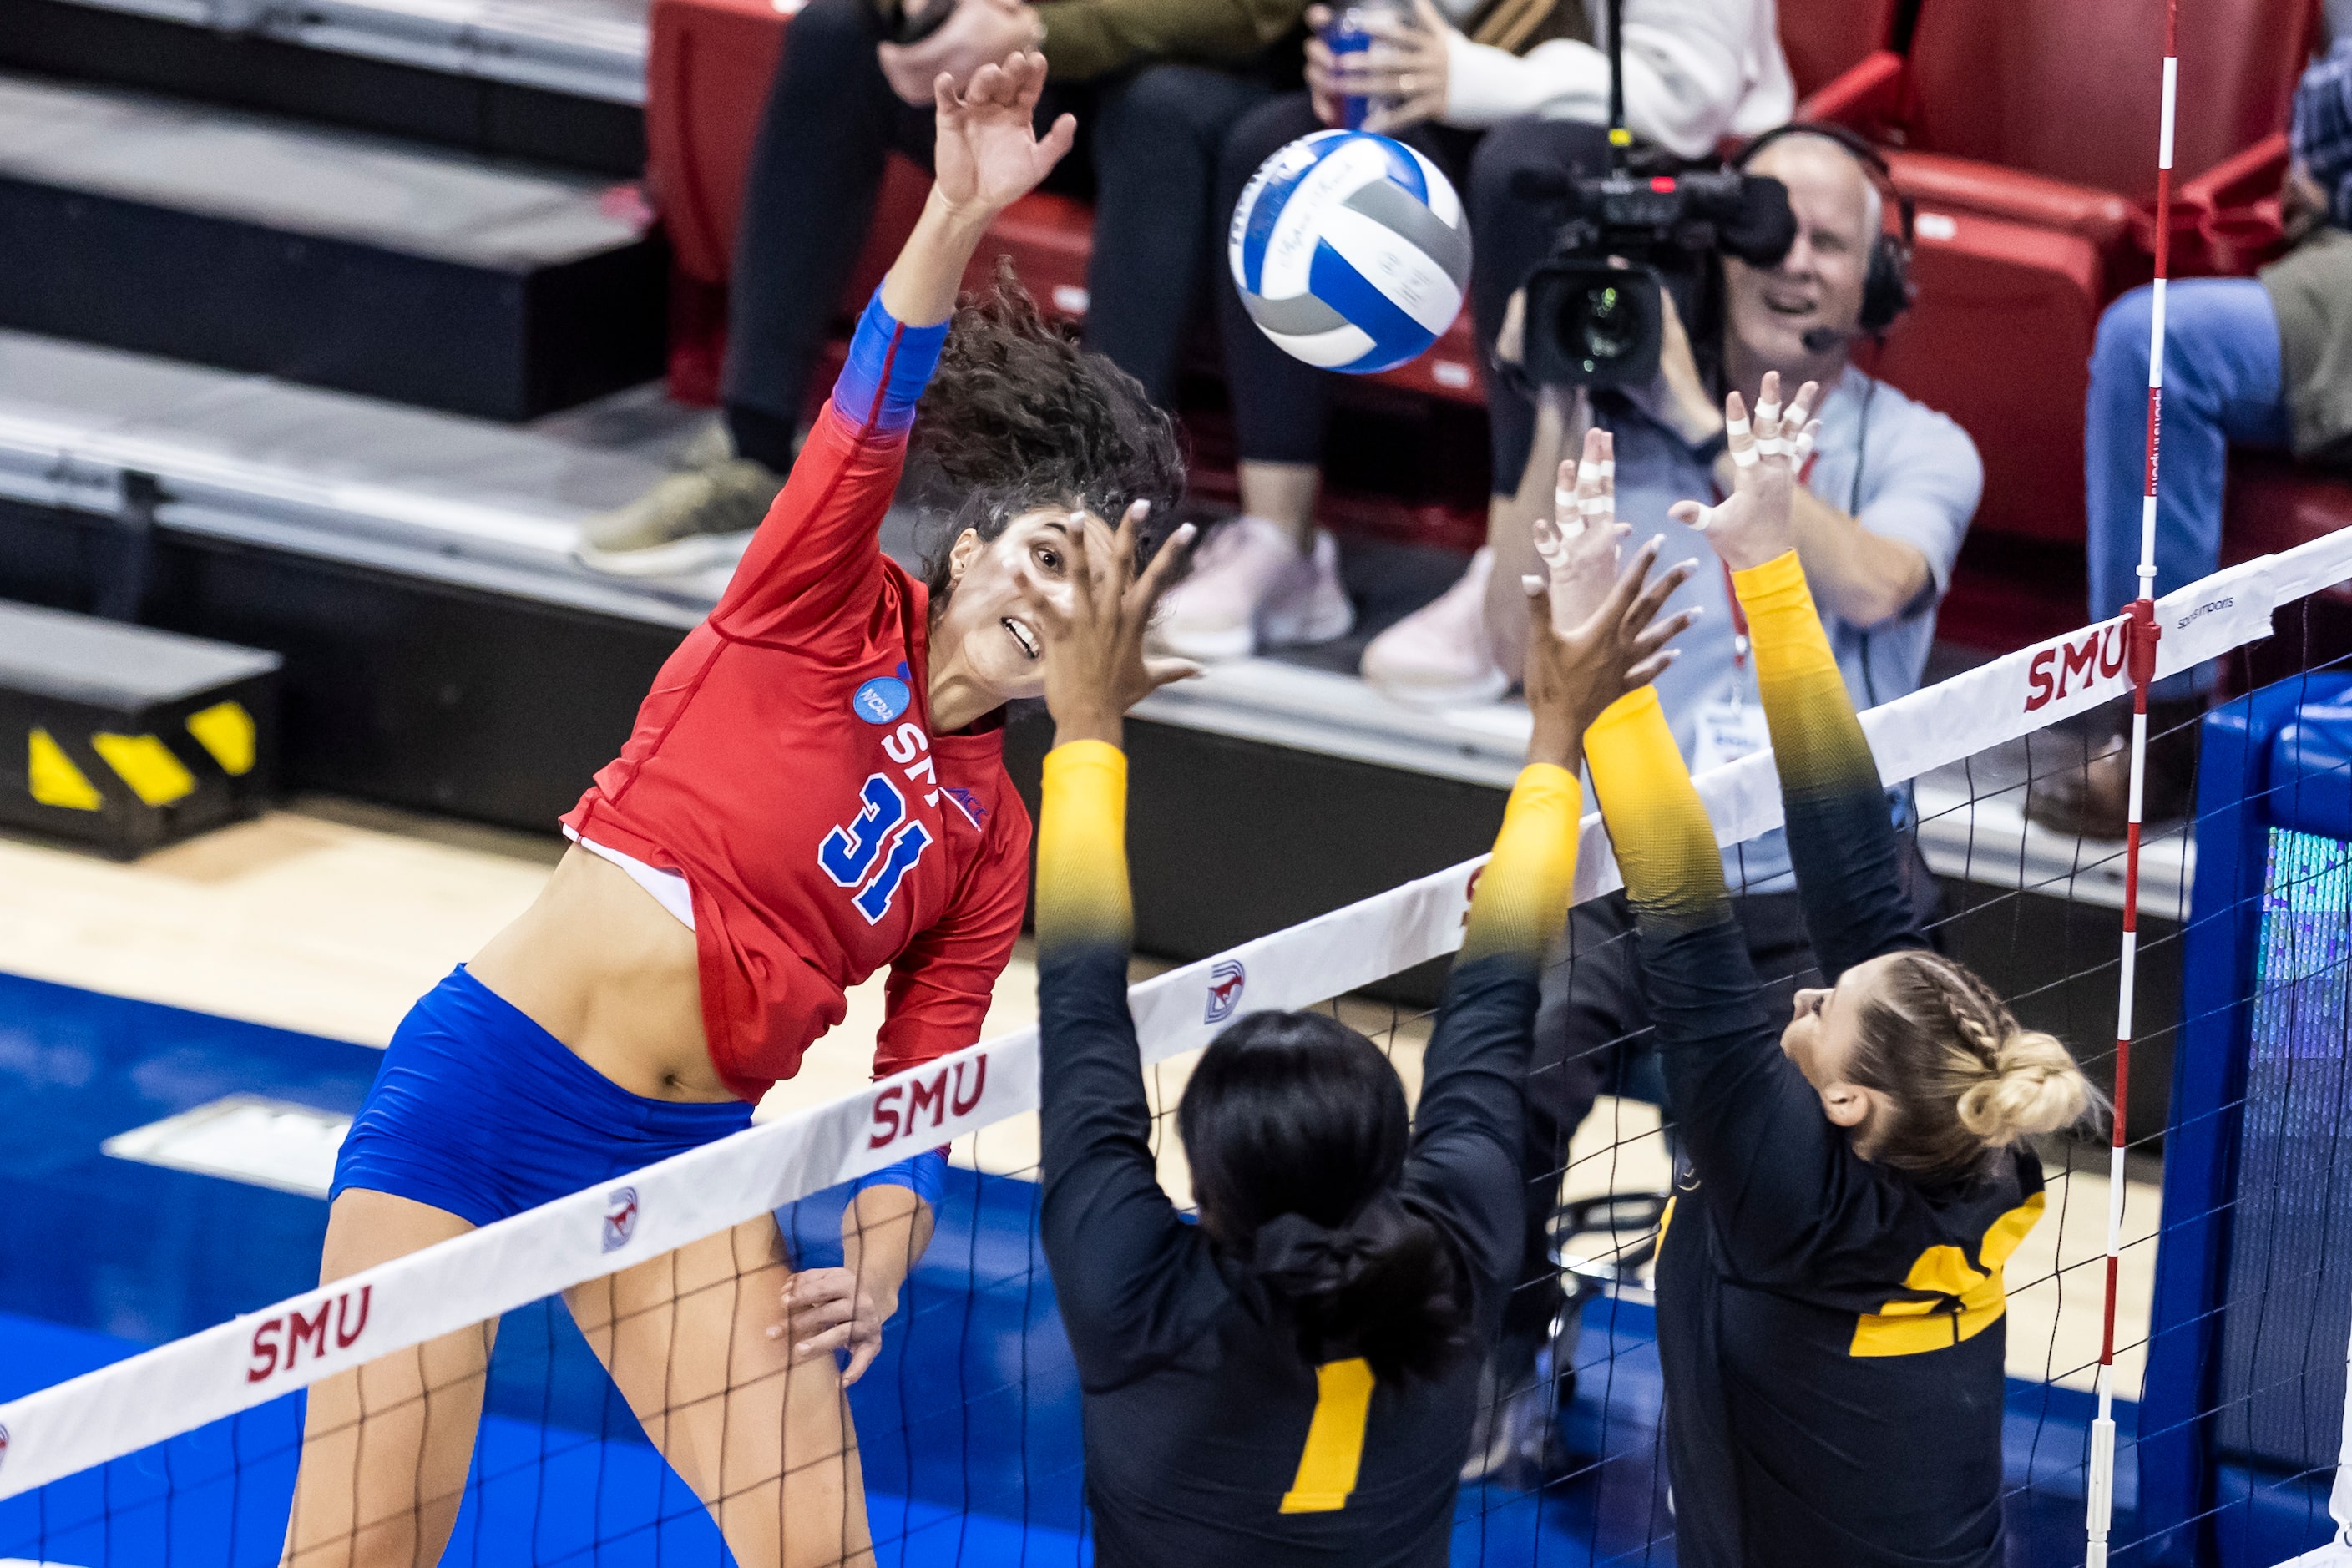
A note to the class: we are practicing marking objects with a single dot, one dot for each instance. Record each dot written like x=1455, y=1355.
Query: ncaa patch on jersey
x=880, y=700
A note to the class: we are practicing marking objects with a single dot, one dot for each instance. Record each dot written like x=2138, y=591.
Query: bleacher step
x=439, y=278
x=555, y=81
x=127, y=738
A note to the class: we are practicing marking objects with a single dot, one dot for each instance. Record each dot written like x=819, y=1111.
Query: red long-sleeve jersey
x=786, y=764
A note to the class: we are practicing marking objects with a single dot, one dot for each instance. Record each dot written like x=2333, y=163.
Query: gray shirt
x=2311, y=294
x=1905, y=470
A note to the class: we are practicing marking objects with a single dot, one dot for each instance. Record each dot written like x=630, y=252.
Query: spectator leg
x=1280, y=404
x=2221, y=387
x=1159, y=232
x=829, y=121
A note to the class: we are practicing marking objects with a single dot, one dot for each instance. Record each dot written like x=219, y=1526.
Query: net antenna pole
x=2140, y=635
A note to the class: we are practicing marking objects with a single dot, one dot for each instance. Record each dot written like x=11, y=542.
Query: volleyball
x=1350, y=251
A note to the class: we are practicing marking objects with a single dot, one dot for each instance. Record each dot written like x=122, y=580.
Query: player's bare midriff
x=596, y=963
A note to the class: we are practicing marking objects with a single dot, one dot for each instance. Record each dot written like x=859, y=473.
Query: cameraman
x=1887, y=496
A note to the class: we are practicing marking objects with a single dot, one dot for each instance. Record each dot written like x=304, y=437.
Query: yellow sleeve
x=1521, y=904
x=1665, y=843
x=1817, y=740
x=1082, y=887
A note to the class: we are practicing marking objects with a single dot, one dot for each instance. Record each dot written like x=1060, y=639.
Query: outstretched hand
x=1573, y=675
x=1757, y=522
x=1580, y=541
x=1096, y=668
x=988, y=154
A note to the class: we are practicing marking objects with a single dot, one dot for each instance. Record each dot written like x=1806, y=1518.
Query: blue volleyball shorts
x=479, y=1112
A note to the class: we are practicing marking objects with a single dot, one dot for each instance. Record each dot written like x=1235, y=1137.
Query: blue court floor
x=968, y=1421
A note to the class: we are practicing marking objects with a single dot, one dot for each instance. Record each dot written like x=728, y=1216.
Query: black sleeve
x=1463, y=1170
x=1773, y=1164
x=1753, y=1126
x=1848, y=859
x=1841, y=839
x=1133, y=1281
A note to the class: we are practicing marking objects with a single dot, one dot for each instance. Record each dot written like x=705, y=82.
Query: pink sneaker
x=1249, y=588
x=1438, y=657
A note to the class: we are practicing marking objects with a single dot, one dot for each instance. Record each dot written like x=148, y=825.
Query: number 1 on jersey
x=1334, y=1439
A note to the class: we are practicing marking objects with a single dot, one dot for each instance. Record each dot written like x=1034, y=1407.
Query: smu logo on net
x=1226, y=983
x=898, y=1110
x=620, y=1218
x=277, y=1342
x=2098, y=653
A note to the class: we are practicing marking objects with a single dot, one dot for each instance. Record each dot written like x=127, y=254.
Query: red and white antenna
x=2142, y=634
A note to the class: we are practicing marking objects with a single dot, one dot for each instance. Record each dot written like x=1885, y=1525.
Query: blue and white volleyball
x=1351, y=252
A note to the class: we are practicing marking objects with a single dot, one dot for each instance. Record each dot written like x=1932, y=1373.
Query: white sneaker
x=1439, y=656
x=2336, y=1553
x=1250, y=588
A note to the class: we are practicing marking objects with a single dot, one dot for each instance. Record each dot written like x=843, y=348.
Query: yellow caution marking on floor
x=54, y=779
x=226, y=729
x=147, y=766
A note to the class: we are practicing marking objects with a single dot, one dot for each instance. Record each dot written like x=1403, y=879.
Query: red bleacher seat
x=707, y=73
x=707, y=64
x=2026, y=132
x=1824, y=40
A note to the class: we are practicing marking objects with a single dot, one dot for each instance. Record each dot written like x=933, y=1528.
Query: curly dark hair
x=1018, y=416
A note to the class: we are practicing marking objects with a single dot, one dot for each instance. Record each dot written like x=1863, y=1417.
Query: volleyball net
x=961, y=1442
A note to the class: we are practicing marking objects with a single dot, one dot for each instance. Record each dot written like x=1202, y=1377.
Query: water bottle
x=1350, y=33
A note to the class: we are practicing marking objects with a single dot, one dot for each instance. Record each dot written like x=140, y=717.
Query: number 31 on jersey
x=874, y=850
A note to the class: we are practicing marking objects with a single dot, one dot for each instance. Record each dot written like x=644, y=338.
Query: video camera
x=1594, y=310
x=1594, y=315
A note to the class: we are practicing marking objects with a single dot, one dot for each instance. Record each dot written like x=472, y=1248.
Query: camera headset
x=1886, y=284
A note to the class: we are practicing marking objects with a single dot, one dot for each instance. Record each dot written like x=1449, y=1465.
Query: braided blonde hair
x=1967, y=1081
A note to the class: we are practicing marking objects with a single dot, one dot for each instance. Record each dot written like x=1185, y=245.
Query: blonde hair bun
x=2034, y=1087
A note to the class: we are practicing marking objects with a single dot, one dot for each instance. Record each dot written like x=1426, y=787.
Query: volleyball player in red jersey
x=815, y=789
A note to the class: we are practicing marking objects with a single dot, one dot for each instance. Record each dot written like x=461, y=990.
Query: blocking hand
x=1573, y=675
x=1580, y=541
x=1757, y=522
x=1096, y=668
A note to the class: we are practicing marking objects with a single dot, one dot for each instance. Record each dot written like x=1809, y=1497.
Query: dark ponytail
x=1295, y=1129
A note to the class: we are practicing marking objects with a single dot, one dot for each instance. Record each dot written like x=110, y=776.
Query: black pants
x=808, y=200
x=1593, y=1036
x=1281, y=405
x=1149, y=138
x=1160, y=238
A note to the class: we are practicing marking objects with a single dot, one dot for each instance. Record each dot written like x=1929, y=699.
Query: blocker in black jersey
x=1830, y=1330
x=1210, y=1439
